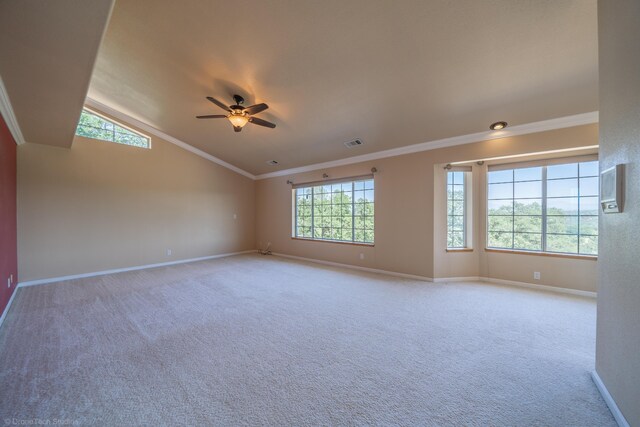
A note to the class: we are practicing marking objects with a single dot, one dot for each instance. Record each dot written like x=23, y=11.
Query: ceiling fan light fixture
x=238, y=119
x=239, y=115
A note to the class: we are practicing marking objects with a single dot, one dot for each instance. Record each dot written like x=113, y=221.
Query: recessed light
x=272, y=162
x=498, y=125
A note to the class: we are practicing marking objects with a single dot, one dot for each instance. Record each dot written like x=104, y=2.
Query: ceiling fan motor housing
x=238, y=99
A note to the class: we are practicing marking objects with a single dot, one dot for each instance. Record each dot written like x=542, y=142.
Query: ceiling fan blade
x=260, y=122
x=212, y=116
x=219, y=104
x=255, y=109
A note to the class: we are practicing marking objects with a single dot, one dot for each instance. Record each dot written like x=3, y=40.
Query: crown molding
x=9, y=117
x=158, y=133
x=545, y=125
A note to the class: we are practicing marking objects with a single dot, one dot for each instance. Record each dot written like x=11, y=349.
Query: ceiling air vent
x=354, y=143
x=272, y=162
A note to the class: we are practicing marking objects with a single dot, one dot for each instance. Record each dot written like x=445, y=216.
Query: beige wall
x=580, y=274
x=407, y=238
x=618, y=334
x=101, y=205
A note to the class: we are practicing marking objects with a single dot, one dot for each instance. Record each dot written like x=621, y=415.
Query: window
x=546, y=208
x=338, y=211
x=456, y=210
x=94, y=126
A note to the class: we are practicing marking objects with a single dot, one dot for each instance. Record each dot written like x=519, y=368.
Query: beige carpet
x=253, y=340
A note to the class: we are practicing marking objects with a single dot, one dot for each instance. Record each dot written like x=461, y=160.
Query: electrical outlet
x=168, y=252
x=536, y=275
x=361, y=256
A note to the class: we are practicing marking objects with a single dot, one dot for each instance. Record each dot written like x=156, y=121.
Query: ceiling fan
x=239, y=115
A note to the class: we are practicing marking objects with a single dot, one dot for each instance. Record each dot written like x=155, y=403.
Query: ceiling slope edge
x=153, y=131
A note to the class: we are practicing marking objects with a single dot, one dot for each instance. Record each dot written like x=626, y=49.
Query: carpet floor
x=252, y=340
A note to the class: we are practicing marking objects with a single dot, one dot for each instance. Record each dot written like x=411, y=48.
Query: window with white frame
x=544, y=207
x=338, y=211
x=457, y=196
x=93, y=125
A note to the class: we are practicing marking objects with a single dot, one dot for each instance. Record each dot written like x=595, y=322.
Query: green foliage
x=589, y=245
x=455, y=239
x=93, y=126
x=566, y=233
x=455, y=210
x=562, y=243
x=499, y=240
x=527, y=241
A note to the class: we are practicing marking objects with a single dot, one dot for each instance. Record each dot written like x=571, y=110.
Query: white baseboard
x=446, y=279
x=540, y=287
x=318, y=261
x=6, y=309
x=357, y=267
x=514, y=283
x=122, y=270
x=615, y=411
x=458, y=279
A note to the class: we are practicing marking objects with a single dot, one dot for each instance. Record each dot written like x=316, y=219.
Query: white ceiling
x=392, y=73
x=47, y=53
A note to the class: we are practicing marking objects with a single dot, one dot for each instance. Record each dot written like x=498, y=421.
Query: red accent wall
x=8, y=221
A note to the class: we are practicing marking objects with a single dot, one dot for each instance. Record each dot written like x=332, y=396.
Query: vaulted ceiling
x=392, y=73
x=47, y=53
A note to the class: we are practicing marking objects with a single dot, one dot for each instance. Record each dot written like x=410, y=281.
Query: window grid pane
x=456, y=210
x=342, y=212
x=94, y=126
x=569, y=223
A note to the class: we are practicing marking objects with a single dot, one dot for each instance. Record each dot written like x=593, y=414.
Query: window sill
x=334, y=241
x=454, y=250
x=547, y=254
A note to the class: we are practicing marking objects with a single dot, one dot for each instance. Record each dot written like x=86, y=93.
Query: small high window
x=93, y=125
